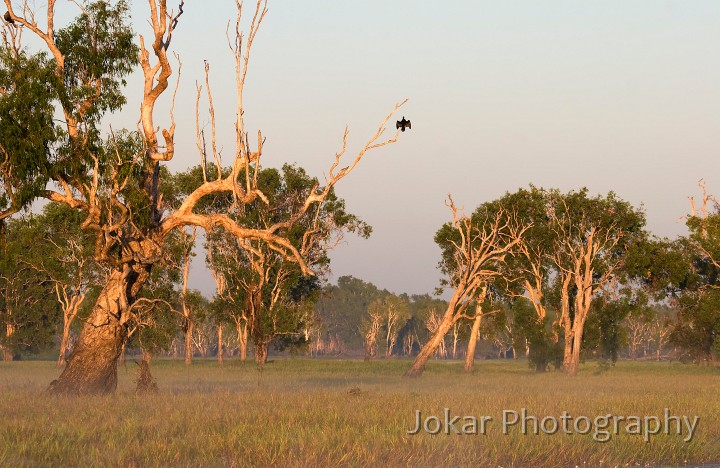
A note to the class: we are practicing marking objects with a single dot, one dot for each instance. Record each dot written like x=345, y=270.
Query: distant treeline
x=644, y=298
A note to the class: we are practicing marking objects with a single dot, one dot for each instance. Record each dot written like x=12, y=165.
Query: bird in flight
x=401, y=124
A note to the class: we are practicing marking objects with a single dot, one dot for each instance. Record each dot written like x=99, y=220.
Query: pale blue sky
x=612, y=95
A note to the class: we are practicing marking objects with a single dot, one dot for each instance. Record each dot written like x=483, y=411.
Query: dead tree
x=475, y=251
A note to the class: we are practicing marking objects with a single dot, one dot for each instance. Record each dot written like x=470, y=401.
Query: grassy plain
x=334, y=412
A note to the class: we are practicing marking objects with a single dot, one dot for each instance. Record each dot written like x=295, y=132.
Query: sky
x=608, y=95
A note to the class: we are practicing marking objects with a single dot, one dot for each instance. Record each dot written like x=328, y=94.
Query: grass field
x=333, y=412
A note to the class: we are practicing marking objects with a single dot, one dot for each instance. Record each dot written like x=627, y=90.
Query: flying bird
x=401, y=124
x=8, y=18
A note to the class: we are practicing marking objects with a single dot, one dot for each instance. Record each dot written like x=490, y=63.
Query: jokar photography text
x=601, y=428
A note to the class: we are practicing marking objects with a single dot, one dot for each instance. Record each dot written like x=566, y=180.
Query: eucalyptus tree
x=472, y=248
x=528, y=275
x=593, y=236
x=266, y=291
x=79, y=71
x=697, y=329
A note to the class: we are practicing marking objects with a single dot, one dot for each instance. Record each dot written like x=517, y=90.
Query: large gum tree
x=592, y=236
x=78, y=73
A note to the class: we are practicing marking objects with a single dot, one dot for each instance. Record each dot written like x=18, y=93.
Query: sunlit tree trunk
x=242, y=332
x=566, y=320
x=418, y=366
x=370, y=328
x=456, y=338
x=583, y=277
x=188, y=323
x=189, y=328
x=69, y=314
x=64, y=341
x=575, y=358
x=481, y=246
x=220, y=345
x=475, y=332
x=7, y=354
x=93, y=366
x=9, y=331
x=472, y=342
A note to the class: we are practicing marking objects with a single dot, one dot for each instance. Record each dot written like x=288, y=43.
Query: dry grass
x=328, y=412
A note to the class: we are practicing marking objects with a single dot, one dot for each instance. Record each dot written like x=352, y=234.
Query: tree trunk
x=390, y=346
x=261, y=353
x=456, y=338
x=368, y=352
x=577, y=343
x=428, y=350
x=64, y=342
x=472, y=344
x=242, y=333
x=145, y=382
x=243, y=346
x=567, y=350
x=189, y=326
x=9, y=330
x=92, y=368
x=220, y=345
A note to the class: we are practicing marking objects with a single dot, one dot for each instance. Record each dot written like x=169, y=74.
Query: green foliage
x=558, y=225
x=537, y=334
x=99, y=52
x=698, y=297
x=340, y=309
x=605, y=334
x=698, y=329
x=263, y=286
x=663, y=267
x=27, y=132
x=578, y=215
x=29, y=311
x=44, y=255
x=529, y=207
